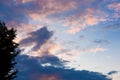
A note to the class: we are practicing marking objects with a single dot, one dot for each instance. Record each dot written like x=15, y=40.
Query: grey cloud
x=82, y=37
x=39, y=37
x=12, y=12
x=101, y=41
x=112, y=26
x=112, y=72
x=53, y=60
x=31, y=69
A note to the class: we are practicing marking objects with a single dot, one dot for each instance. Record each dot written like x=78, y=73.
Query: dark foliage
x=8, y=51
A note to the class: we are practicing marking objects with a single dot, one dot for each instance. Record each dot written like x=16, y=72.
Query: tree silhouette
x=8, y=51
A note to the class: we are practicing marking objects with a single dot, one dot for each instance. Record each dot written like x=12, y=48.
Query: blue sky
x=84, y=33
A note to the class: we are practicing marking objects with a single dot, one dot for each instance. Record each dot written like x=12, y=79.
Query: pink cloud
x=75, y=29
x=91, y=20
x=34, y=16
x=89, y=17
x=114, y=6
x=46, y=49
x=45, y=8
x=51, y=77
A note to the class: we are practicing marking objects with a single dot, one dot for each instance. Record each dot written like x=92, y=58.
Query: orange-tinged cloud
x=47, y=48
x=91, y=20
x=89, y=17
x=90, y=10
x=17, y=39
x=51, y=77
x=77, y=22
x=44, y=8
x=48, y=7
x=27, y=28
x=75, y=29
x=24, y=29
x=53, y=48
x=34, y=16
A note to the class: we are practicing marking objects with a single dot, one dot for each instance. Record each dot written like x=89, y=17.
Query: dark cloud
x=11, y=12
x=30, y=68
x=51, y=59
x=82, y=37
x=113, y=26
x=20, y=10
x=101, y=41
x=112, y=72
x=39, y=37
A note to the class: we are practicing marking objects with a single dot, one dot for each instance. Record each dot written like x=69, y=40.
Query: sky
x=77, y=38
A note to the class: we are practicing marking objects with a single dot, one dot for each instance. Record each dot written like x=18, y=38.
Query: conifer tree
x=8, y=51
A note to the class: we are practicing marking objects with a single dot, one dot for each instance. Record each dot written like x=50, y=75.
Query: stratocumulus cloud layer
x=32, y=68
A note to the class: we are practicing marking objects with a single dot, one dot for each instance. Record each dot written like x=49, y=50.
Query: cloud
x=74, y=54
x=24, y=11
x=100, y=41
x=93, y=50
x=82, y=37
x=12, y=12
x=112, y=26
x=47, y=77
x=114, y=6
x=30, y=68
x=114, y=75
x=52, y=60
x=112, y=72
x=82, y=51
x=47, y=48
x=38, y=37
x=22, y=1
x=34, y=16
x=82, y=20
x=77, y=15
x=45, y=8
